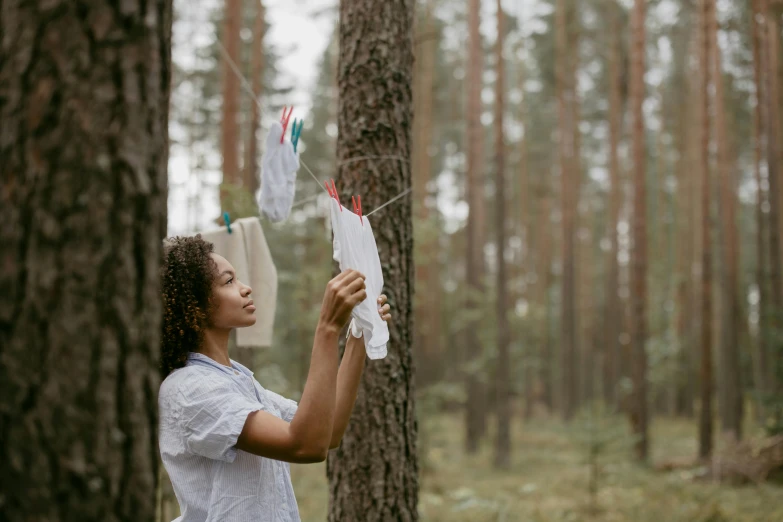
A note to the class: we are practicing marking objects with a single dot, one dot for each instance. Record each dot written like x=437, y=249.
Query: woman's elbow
x=311, y=456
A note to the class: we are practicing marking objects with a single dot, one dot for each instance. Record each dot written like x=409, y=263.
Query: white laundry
x=246, y=249
x=355, y=248
x=278, y=176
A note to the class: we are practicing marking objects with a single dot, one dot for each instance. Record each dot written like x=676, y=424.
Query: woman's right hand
x=342, y=293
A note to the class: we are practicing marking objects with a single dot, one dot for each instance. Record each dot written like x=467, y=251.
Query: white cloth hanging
x=278, y=176
x=355, y=248
x=246, y=249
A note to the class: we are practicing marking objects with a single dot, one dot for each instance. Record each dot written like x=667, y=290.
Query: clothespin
x=333, y=193
x=357, y=207
x=227, y=220
x=296, y=132
x=284, y=120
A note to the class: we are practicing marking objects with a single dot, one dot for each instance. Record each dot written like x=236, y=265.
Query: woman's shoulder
x=188, y=379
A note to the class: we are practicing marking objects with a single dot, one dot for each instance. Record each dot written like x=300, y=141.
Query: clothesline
x=249, y=90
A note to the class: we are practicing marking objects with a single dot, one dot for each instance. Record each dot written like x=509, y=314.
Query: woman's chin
x=247, y=321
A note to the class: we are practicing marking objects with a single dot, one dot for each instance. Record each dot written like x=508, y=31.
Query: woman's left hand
x=384, y=308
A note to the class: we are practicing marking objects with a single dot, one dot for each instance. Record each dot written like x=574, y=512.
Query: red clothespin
x=284, y=120
x=357, y=207
x=333, y=193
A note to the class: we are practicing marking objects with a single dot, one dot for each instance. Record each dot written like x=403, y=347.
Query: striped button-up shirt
x=203, y=408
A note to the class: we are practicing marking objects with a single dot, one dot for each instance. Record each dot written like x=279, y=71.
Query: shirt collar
x=200, y=358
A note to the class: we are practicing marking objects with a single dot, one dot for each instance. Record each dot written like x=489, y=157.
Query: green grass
x=548, y=481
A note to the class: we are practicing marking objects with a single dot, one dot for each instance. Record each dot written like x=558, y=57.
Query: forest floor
x=549, y=479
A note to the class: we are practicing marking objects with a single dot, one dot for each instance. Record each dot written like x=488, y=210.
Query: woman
x=225, y=440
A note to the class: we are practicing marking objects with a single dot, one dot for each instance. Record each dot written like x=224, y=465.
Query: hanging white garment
x=355, y=248
x=278, y=176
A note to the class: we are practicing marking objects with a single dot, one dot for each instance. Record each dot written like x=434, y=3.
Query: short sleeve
x=212, y=417
x=287, y=407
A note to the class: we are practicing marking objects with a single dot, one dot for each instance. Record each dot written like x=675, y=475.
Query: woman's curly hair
x=187, y=275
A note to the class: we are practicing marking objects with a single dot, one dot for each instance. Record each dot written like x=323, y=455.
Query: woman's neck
x=215, y=345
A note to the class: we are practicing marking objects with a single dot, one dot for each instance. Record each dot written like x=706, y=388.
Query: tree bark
x=83, y=157
x=373, y=476
x=705, y=415
x=476, y=404
x=252, y=176
x=229, y=146
x=427, y=332
x=762, y=355
x=611, y=354
x=503, y=440
x=566, y=131
x=638, y=294
x=731, y=367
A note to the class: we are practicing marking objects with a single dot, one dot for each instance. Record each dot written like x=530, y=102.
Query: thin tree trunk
x=229, y=146
x=84, y=153
x=544, y=273
x=730, y=381
x=373, y=476
x=474, y=413
x=566, y=131
x=427, y=328
x=638, y=293
x=252, y=178
x=773, y=164
x=612, y=343
x=503, y=441
x=705, y=415
x=762, y=356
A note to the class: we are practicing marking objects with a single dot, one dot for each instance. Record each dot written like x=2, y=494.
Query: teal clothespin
x=296, y=131
x=228, y=221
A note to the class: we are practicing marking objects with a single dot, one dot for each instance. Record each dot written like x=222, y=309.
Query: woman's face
x=233, y=307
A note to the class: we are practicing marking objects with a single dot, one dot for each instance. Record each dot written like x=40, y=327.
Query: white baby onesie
x=278, y=170
x=355, y=248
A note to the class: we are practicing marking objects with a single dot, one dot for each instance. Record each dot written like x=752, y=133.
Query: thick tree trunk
x=503, y=441
x=731, y=367
x=373, y=476
x=567, y=130
x=638, y=294
x=229, y=146
x=252, y=179
x=83, y=157
x=705, y=381
x=475, y=417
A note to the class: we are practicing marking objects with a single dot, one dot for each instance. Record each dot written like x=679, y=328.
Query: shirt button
x=236, y=372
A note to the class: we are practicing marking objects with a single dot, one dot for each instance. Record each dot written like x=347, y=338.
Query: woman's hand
x=384, y=308
x=342, y=294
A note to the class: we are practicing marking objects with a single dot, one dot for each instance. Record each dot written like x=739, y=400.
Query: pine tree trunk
x=762, y=357
x=731, y=367
x=83, y=152
x=373, y=476
x=566, y=126
x=229, y=146
x=612, y=344
x=638, y=294
x=476, y=403
x=427, y=330
x=252, y=176
x=503, y=441
x=705, y=381
x=772, y=40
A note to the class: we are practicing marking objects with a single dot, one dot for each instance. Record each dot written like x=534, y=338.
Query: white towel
x=355, y=248
x=247, y=250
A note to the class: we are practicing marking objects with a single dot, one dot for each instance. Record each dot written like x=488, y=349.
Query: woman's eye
x=227, y=282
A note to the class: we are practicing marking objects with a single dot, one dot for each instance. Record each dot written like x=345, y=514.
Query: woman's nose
x=247, y=290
